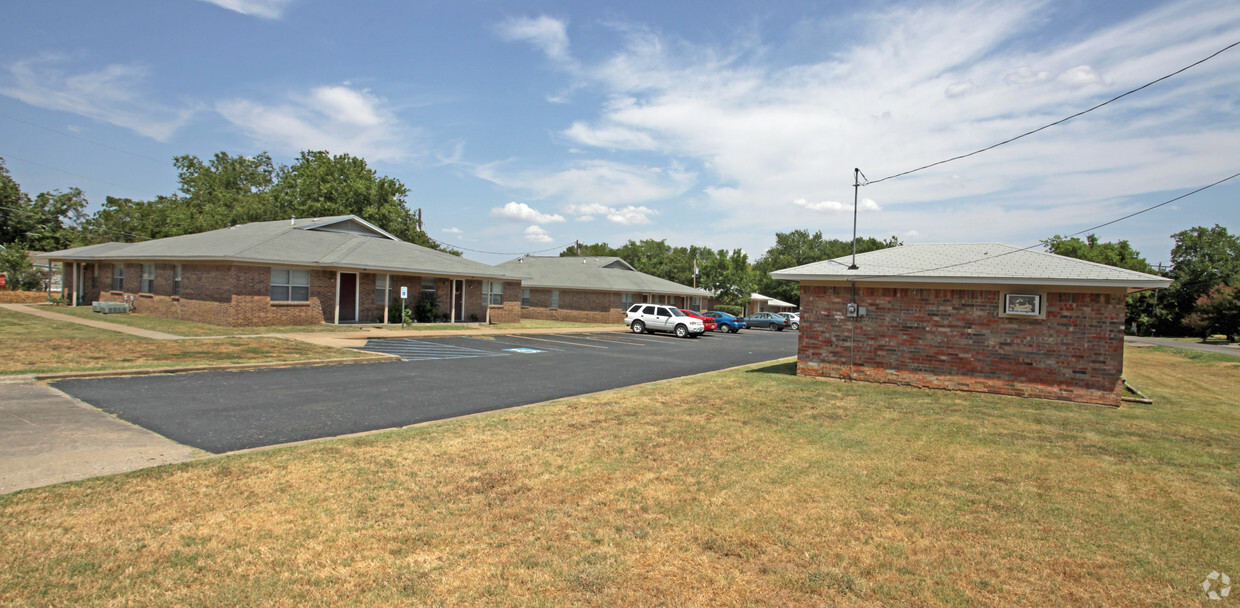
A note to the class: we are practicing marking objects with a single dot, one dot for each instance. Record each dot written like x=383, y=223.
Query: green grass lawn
x=35, y=345
x=189, y=328
x=750, y=487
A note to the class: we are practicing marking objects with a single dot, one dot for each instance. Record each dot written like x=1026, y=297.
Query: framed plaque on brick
x=1023, y=304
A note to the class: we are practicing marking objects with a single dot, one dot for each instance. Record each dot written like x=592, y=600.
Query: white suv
x=642, y=318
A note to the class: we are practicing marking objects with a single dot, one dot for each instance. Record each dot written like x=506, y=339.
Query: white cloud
x=453, y=230
x=521, y=212
x=336, y=118
x=536, y=234
x=586, y=209
x=548, y=34
x=602, y=182
x=267, y=9
x=764, y=135
x=116, y=94
x=1080, y=75
x=631, y=215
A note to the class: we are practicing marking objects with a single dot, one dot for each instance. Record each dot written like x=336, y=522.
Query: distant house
x=339, y=269
x=592, y=289
x=761, y=303
x=981, y=317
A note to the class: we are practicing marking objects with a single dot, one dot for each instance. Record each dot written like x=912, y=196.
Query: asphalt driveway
x=439, y=378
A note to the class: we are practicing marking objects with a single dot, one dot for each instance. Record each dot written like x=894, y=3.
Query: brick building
x=339, y=269
x=760, y=303
x=593, y=289
x=981, y=317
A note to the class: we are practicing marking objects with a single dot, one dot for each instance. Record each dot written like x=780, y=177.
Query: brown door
x=458, y=300
x=348, y=297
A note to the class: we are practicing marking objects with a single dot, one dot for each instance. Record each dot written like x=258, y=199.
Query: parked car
x=768, y=320
x=794, y=319
x=725, y=321
x=643, y=318
x=706, y=321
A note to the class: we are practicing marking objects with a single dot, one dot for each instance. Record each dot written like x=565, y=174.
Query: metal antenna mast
x=856, y=188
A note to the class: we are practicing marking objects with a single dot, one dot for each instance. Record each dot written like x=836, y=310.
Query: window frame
x=1039, y=305
x=555, y=299
x=525, y=298
x=289, y=284
x=118, y=277
x=491, y=296
x=176, y=280
x=146, y=282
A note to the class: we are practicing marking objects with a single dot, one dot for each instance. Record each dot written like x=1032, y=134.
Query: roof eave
x=1131, y=284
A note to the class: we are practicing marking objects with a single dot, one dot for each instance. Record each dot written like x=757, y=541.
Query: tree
x=1216, y=312
x=320, y=184
x=20, y=273
x=48, y=222
x=799, y=247
x=1202, y=258
x=225, y=191
x=727, y=275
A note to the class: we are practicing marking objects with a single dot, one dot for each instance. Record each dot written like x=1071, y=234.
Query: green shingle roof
x=594, y=273
x=971, y=263
x=344, y=242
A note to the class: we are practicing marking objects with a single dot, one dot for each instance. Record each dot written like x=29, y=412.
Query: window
x=381, y=289
x=525, y=297
x=428, y=284
x=118, y=277
x=626, y=300
x=176, y=280
x=493, y=293
x=148, y=279
x=697, y=303
x=555, y=298
x=290, y=285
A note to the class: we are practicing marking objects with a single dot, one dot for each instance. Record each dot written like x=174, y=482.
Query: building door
x=348, y=297
x=458, y=300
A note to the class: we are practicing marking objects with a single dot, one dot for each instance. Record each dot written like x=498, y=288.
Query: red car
x=707, y=321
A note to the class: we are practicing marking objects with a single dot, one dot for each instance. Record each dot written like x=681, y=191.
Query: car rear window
x=677, y=313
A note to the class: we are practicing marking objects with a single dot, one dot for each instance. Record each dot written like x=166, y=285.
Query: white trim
x=336, y=319
x=387, y=300
x=819, y=278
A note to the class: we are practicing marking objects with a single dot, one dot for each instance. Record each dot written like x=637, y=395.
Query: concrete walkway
x=48, y=437
x=125, y=329
x=1222, y=349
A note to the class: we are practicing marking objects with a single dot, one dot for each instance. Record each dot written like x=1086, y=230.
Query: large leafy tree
x=726, y=274
x=1216, y=312
x=1203, y=258
x=320, y=184
x=800, y=247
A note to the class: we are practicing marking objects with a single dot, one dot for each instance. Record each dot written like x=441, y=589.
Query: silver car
x=643, y=318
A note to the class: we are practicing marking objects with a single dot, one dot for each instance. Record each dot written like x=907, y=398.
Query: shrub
x=735, y=311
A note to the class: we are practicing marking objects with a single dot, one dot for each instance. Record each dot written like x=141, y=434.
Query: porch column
x=387, y=289
x=336, y=319
x=77, y=273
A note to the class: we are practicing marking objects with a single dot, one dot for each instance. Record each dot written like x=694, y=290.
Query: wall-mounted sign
x=404, y=293
x=1028, y=304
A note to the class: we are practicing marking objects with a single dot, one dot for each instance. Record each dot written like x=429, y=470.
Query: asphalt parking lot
x=437, y=378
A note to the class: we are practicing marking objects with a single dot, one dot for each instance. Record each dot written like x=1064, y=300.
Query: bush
x=735, y=311
x=426, y=308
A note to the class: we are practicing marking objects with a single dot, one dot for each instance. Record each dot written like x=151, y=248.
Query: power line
x=77, y=137
x=78, y=175
x=1039, y=244
x=1060, y=121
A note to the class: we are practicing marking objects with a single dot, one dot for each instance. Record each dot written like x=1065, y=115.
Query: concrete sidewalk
x=48, y=437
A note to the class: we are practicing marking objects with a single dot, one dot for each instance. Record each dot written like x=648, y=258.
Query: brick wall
x=956, y=339
x=575, y=305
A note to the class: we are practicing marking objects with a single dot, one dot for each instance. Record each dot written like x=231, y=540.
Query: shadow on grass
x=787, y=368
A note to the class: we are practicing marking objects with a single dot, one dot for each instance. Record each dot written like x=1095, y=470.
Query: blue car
x=726, y=322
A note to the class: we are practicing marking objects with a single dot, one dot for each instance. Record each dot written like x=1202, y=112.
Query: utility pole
x=856, y=190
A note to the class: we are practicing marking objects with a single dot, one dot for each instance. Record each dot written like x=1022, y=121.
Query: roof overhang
x=288, y=264
x=1132, y=285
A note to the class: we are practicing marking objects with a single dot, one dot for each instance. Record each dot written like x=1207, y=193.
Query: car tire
x=777, y=327
x=682, y=331
x=796, y=326
x=639, y=327
x=722, y=328
x=734, y=329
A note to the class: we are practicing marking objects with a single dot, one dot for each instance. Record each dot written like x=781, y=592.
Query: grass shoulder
x=749, y=487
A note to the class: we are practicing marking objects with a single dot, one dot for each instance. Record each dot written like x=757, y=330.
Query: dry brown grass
x=22, y=297
x=34, y=345
x=739, y=488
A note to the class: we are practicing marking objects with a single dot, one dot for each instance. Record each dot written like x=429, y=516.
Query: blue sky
x=522, y=126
